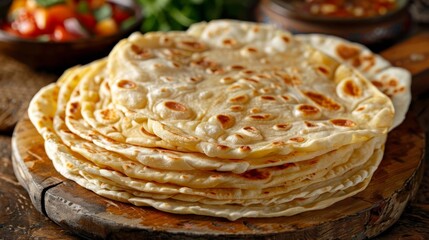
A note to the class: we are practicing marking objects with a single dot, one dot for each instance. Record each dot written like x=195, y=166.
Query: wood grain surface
x=18, y=84
x=89, y=215
x=18, y=217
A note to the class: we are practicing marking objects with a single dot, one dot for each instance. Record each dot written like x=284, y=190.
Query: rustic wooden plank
x=412, y=54
x=412, y=225
x=367, y=214
x=16, y=79
x=19, y=219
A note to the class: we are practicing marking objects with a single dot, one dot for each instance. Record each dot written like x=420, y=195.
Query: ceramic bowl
x=60, y=55
x=366, y=30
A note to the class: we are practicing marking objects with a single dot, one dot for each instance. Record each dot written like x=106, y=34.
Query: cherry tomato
x=106, y=27
x=25, y=24
x=48, y=18
x=88, y=21
x=120, y=14
x=31, y=20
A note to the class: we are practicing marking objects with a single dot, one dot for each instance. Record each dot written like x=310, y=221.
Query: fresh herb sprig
x=165, y=15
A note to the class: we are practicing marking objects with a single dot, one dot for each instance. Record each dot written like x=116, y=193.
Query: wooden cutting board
x=364, y=215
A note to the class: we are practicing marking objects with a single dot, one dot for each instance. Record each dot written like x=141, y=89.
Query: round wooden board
x=89, y=215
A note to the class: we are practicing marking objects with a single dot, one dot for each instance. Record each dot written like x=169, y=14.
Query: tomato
x=25, y=25
x=88, y=21
x=8, y=28
x=106, y=27
x=32, y=20
x=48, y=18
x=120, y=14
x=61, y=34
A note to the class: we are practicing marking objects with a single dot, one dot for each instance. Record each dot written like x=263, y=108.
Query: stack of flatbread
x=228, y=119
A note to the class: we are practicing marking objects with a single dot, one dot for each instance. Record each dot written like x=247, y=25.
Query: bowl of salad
x=55, y=34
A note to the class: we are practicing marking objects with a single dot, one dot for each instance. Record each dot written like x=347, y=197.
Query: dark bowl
x=366, y=30
x=61, y=55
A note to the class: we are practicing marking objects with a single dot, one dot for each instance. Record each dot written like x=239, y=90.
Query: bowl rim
x=137, y=13
x=285, y=8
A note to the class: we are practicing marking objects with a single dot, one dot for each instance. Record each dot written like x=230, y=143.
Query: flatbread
x=392, y=81
x=229, y=119
x=319, y=195
x=265, y=111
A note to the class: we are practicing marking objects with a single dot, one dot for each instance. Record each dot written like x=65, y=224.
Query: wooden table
x=20, y=220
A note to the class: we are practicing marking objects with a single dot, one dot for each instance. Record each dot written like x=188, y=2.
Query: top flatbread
x=238, y=90
x=392, y=81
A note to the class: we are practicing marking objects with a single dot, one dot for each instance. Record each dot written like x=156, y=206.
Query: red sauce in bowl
x=346, y=8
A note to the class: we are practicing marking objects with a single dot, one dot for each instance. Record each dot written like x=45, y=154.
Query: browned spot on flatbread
x=343, y=122
x=237, y=67
x=222, y=147
x=141, y=52
x=347, y=51
x=376, y=83
x=297, y=139
x=252, y=50
x=282, y=126
x=356, y=62
x=350, y=88
x=361, y=108
x=255, y=110
x=310, y=124
x=251, y=129
x=245, y=148
x=229, y=42
x=252, y=80
x=288, y=79
x=248, y=72
x=236, y=108
x=268, y=98
x=195, y=79
x=393, y=82
x=74, y=106
x=191, y=45
x=107, y=85
x=323, y=101
x=307, y=109
x=286, y=98
x=279, y=143
x=323, y=70
x=108, y=114
x=175, y=106
x=260, y=116
x=239, y=99
x=227, y=80
x=256, y=174
x=285, y=166
x=314, y=161
x=226, y=121
x=127, y=84
x=286, y=39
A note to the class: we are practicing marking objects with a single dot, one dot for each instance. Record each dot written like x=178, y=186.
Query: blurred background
x=36, y=32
